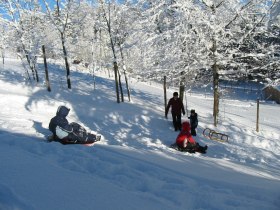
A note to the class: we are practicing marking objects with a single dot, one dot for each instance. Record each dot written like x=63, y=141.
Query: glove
x=184, y=113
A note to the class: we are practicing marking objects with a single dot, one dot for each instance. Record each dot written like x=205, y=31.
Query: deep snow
x=132, y=167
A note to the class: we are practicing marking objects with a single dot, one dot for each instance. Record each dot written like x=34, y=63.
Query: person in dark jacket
x=186, y=142
x=193, y=121
x=72, y=133
x=176, y=110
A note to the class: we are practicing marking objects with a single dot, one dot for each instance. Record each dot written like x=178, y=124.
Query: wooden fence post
x=258, y=115
x=46, y=69
x=164, y=90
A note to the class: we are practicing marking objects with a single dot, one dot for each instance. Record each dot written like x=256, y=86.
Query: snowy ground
x=132, y=168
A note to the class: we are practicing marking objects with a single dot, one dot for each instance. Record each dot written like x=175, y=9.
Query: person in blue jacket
x=69, y=133
x=193, y=121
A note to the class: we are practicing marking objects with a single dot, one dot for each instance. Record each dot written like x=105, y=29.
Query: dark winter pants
x=192, y=148
x=193, y=131
x=176, y=121
x=80, y=135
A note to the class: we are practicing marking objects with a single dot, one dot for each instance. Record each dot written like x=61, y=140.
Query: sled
x=175, y=146
x=51, y=138
x=216, y=136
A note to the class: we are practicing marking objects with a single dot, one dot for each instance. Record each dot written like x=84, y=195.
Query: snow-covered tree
x=117, y=20
x=22, y=17
x=62, y=19
x=4, y=39
x=190, y=42
x=233, y=35
x=204, y=36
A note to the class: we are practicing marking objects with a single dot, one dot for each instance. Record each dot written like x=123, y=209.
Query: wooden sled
x=213, y=135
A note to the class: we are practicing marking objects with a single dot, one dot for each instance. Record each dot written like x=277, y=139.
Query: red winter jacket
x=185, y=134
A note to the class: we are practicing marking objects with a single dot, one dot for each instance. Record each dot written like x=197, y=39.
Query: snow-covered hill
x=133, y=167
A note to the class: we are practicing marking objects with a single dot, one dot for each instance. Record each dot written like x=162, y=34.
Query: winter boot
x=98, y=138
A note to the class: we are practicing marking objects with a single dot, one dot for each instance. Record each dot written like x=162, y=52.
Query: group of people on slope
x=184, y=141
x=74, y=133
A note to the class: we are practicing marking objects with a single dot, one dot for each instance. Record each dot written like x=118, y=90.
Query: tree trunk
x=46, y=69
x=93, y=75
x=215, y=71
x=127, y=87
x=35, y=70
x=29, y=63
x=36, y=73
x=216, y=93
x=3, y=57
x=27, y=73
x=120, y=84
x=116, y=80
x=115, y=64
x=125, y=76
x=66, y=61
x=93, y=64
x=182, y=86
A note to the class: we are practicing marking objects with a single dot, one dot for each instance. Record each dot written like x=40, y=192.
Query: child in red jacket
x=186, y=142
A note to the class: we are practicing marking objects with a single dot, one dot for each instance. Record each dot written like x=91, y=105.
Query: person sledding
x=69, y=133
x=186, y=143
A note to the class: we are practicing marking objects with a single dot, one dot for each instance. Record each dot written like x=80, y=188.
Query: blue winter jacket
x=60, y=121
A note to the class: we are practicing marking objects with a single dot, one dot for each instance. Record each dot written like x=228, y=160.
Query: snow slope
x=133, y=167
